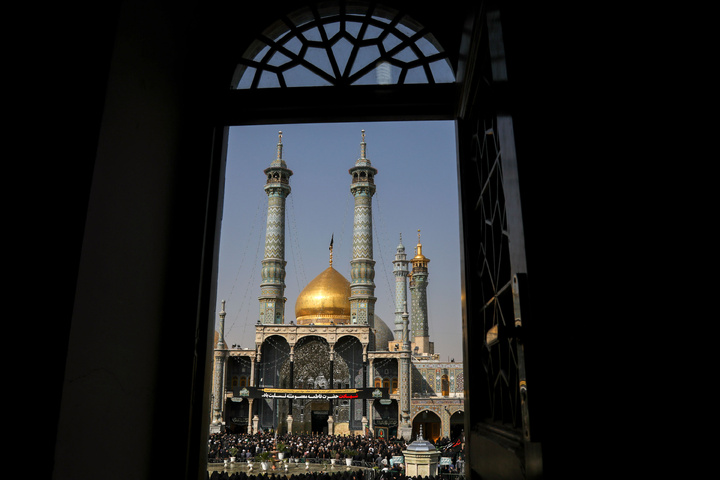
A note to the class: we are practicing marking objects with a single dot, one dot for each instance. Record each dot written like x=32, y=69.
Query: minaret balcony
x=270, y=181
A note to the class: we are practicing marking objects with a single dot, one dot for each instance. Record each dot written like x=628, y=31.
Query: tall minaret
x=219, y=374
x=400, y=269
x=362, y=265
x=405, y=426
x=272, y=286
x=418, y=292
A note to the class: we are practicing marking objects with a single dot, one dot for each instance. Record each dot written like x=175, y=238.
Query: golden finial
x=331, y=248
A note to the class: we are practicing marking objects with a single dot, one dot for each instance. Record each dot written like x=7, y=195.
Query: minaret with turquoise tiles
x=400, y=270
x=272, y=286
x=362, y=265
x=418, y=292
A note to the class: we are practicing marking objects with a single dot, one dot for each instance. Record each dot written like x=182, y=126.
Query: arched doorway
x=385, y=418
x=348, y=414
x=429, y=423
x=312, y=370
x=457, y=425
x=275, y=354
x=237, y=414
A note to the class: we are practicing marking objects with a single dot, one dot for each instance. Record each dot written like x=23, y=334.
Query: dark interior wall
x=133, y=213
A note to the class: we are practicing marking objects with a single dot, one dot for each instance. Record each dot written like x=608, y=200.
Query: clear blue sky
x=416, y=189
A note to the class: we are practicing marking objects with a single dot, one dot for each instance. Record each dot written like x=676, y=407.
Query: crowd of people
x=365, y=451
x=344, y=475
x=305, y=446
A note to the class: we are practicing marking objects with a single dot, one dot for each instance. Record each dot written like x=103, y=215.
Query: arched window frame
x=343, y=44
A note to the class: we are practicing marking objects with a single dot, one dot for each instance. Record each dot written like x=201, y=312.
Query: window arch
x=345, y=43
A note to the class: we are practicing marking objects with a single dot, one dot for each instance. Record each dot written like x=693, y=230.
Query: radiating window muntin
x=350, y=43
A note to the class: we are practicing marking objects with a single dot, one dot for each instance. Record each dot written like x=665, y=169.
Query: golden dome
x=325, y=300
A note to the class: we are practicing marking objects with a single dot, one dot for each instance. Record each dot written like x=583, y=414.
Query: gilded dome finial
x=420, y=259
x=331, y=248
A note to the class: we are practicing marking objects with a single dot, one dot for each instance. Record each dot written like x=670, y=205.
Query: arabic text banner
x=370, y=393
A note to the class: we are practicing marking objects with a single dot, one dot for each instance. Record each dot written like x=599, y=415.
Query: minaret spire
x=272, y=286
x=279, y=147
x=363, y=147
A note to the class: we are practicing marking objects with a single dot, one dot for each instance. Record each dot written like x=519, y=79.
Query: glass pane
x=442, y=73
x=367, y=79
x=406, y=30
x=416, y=75
x=405, y=55
x=390, y=42
x=331, y=29
x=268, y=80
x=319, y=58
x=247, y=78
x=353, y=28
x=366, y=56
x=278, y=59
x=302, y=77
x=312, y=34
x=426, y=47
x=342, y=50
x=372, y=32
x=294, y=45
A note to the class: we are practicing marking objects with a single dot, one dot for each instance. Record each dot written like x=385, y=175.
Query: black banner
x=370, y=393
